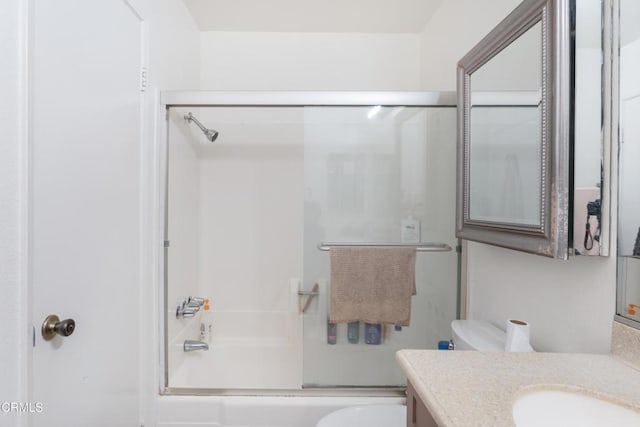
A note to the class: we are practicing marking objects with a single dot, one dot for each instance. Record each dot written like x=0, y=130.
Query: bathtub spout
x=192, y=345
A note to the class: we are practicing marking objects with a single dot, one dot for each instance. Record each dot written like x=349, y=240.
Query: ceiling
x=325, y=16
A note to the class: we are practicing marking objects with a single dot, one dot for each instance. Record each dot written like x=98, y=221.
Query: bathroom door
x=85, y=211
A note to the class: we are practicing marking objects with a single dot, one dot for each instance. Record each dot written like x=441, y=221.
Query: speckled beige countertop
x=471, y=388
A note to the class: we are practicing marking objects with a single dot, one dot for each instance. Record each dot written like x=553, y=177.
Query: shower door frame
x=173, y=99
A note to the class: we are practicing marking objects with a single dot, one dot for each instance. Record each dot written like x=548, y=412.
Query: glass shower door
x=245, y=216
x=377, y=175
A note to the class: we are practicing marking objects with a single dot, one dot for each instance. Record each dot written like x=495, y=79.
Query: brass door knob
x=53, y=326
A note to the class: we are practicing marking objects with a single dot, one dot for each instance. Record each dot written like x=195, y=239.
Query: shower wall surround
x=235, y=226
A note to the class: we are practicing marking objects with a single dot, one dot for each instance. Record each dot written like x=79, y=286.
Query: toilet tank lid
x=477, y=335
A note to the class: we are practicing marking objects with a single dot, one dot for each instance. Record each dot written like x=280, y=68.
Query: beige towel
x=372, y=284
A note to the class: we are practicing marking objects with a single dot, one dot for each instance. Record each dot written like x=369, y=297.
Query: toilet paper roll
x=517, y=336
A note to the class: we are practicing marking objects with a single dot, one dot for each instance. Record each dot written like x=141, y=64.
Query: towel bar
x=420, y=247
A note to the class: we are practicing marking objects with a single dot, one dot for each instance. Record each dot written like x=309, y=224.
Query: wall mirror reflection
x=590, y=208
x=628, y=171
x=505, y=114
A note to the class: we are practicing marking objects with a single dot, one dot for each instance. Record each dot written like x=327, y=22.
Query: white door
x=85, y=210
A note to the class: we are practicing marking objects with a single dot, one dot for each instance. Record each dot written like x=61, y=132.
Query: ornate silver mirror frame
x=551, y=236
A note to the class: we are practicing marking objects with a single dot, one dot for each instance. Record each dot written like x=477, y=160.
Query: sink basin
x=551, y=408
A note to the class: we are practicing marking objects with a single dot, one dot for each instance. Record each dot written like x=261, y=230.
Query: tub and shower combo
x=256, y=188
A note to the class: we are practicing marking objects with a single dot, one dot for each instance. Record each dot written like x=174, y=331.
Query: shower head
x=209, y=133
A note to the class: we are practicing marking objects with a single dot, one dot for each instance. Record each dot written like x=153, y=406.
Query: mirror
x=590, y=192
x=514, y=132
x=628, y=158
x=505, y=179
x=530, y=132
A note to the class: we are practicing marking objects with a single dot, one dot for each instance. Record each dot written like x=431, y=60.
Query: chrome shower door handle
x=53, y=326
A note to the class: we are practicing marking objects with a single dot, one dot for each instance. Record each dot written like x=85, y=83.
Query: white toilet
x=479, y=335
x=476, y=335
x=366, y=416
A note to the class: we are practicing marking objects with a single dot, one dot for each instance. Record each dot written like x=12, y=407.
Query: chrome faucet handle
x=188, y=313
x=183, y=311
x=194, y=302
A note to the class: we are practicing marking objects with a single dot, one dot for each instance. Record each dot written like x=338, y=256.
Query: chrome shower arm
x=189, y=117
x=209, y=133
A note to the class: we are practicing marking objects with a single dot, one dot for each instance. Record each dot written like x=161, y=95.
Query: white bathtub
x=255, y=411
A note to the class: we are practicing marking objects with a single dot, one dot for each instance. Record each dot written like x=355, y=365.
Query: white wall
x=345, y=61
x=452, y=31
x=13, y=198
x=173, y=60
x=569, y=304
x=309, y=61
x=174, y=47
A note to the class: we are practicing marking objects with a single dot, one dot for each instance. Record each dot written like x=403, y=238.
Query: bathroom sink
x=552, y=408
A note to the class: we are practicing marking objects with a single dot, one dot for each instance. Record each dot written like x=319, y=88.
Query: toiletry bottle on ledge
x=353, y=332
x=206, y=324
x=332, y=332
x=372, y=333
x=410, y=230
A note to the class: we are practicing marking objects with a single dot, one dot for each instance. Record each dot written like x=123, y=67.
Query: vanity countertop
x=472, y=388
